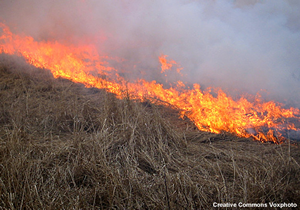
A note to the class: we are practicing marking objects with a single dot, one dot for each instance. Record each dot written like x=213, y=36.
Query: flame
x=167, y=65
x=262, y=121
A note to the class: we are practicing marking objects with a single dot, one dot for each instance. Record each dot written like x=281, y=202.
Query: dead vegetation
x=63, y=146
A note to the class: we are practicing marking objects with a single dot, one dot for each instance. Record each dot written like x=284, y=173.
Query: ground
x=65, y=146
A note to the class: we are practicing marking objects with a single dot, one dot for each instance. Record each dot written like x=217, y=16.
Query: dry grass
x=63, y=146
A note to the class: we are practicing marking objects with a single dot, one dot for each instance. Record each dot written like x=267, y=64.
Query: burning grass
x=211, y=111
x=64, y=146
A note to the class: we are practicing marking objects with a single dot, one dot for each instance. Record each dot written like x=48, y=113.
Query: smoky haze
x=242, y=46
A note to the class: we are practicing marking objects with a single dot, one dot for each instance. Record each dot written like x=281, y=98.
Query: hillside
x=64, y=146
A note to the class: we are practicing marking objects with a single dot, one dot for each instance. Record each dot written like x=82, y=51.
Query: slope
x=64, y=146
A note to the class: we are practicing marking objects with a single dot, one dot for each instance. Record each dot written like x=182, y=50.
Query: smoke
x=240, y=46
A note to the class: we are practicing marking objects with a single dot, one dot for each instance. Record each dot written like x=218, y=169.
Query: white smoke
x=240, y=46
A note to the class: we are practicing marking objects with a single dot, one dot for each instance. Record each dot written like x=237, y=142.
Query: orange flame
x=83, y=64
x=165, y=65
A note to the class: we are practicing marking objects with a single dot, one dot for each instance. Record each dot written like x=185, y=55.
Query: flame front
x=83, y=64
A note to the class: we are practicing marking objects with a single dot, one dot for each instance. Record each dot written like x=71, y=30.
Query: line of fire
x=263, y=121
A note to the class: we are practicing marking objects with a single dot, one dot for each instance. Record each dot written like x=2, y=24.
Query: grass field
x=64, y=146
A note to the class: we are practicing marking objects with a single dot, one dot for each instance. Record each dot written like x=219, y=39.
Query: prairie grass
x=64, y=146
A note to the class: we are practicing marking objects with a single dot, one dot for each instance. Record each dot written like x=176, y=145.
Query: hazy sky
x=240, y=45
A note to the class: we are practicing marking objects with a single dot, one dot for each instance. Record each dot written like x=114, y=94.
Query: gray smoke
x=242, y=46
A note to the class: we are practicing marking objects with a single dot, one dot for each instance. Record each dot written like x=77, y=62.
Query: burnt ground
x=64, y=146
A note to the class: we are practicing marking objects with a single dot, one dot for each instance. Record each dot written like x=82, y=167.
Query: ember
x=263, y=121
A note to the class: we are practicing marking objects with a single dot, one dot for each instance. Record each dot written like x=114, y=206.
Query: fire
x=167, y=65
x=262, y=121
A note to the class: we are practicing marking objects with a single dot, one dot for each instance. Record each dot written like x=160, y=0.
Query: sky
x=242, y=46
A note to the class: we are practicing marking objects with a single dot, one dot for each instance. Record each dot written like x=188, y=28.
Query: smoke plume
x=240, y=46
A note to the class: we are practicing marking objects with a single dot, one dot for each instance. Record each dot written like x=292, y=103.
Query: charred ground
x=64, y=146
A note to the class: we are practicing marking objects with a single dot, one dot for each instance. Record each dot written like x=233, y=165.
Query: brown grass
x=63, y=146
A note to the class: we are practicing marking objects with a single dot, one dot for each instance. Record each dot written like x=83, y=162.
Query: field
x=65, y=146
